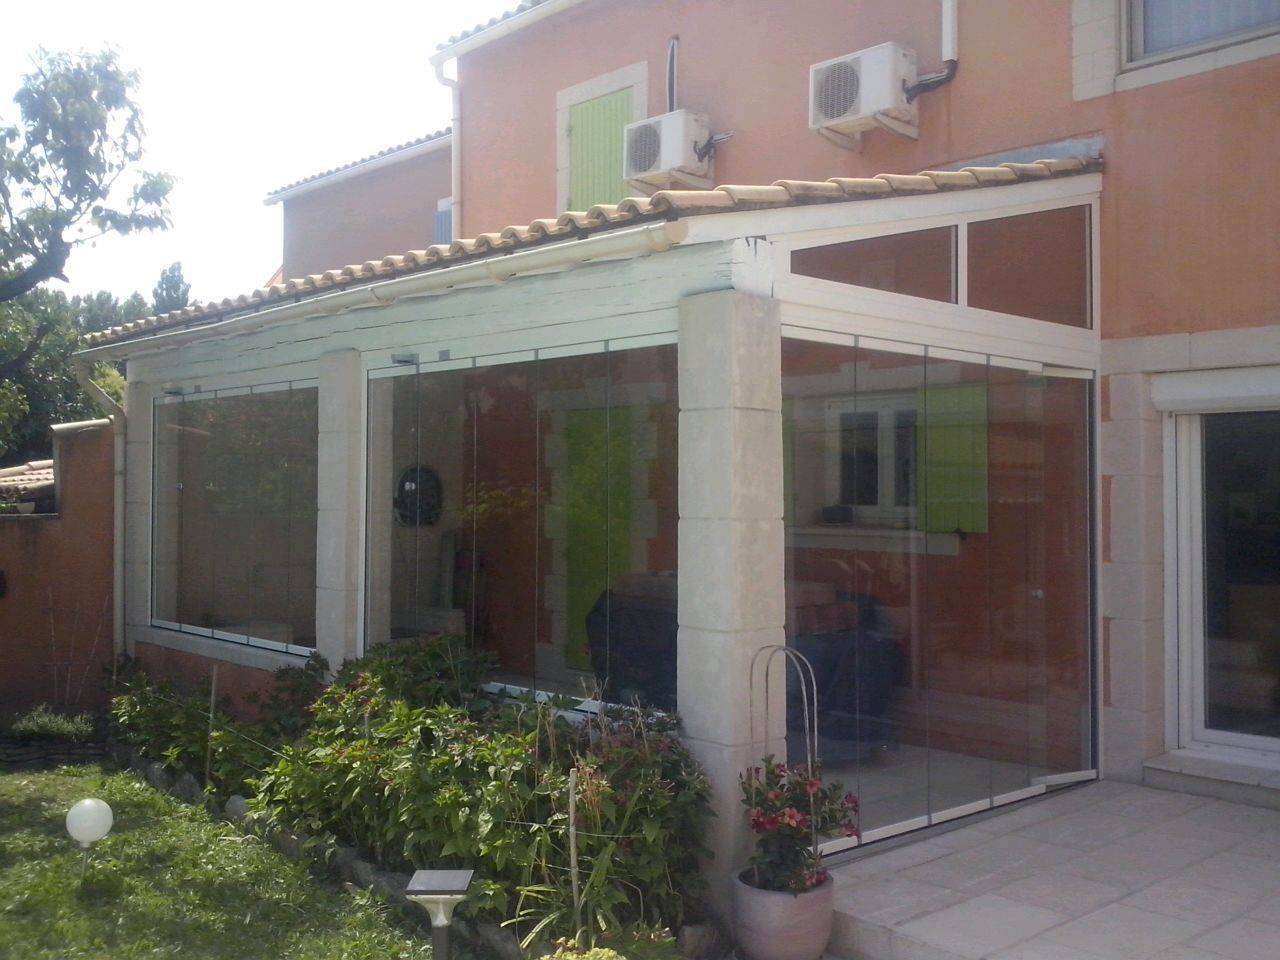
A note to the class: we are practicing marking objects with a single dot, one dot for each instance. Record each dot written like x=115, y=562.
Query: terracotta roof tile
x=665, y=204
x=27, y=481
x=492, y=22
x=407, y=145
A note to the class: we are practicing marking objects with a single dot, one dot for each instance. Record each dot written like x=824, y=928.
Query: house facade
x=991, y=445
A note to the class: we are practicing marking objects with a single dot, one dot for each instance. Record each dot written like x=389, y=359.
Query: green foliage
x=67, y=167
x=168, y=882
x=172, y=292
x=635, y=943
x=789, y=808
x=402, y=758
x=45, y=723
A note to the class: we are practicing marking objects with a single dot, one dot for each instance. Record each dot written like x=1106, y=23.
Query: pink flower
x=813, y=786
x=774, y=796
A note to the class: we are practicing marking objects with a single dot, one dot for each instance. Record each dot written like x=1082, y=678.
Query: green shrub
x=45, y=723
x=441, y=786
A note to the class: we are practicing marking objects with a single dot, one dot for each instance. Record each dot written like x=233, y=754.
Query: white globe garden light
x=88, y=822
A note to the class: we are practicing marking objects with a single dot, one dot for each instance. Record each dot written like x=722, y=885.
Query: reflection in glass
x=553, y=546
x=1032, y=265
x=919, y=264
x=1242, y=573
x=235, y=514
x=927, y=503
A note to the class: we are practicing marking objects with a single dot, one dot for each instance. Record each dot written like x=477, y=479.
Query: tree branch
x=10, y=368
x=46, y=266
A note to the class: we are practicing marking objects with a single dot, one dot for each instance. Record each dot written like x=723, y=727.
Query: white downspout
x=455, y=151
x=116, y=413
x=950, y=41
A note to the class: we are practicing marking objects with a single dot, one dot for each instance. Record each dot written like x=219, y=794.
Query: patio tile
x=1191, y=899
x=1061, y=892
x=1150, y=806
x=1243, y=939
x=899, y=858
x=888, y=900
x=989, y=866
x=1264, y=845
x=1183, y=952
x=1085, y=830
x=1235, y=817
x=1240, y=873
x=1148, y=857
x=1268, y=911
x=982, y=925
x=1124, y=933
x=1039, y=948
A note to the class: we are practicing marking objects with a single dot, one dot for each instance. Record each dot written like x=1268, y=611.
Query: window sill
x=1142, y=75
x=877, y=539
x=241, y=654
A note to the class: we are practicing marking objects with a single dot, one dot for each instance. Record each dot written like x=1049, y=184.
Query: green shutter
x=953, y=458
x=595, y=150
x=598, y=508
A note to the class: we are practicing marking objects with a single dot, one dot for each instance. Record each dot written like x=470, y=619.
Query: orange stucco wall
x=387, y=210
x=1189, y=202
x=55, y=617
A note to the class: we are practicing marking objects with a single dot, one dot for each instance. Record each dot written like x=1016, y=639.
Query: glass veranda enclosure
x=937, y=516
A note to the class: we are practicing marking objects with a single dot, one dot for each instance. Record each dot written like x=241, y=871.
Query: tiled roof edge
x=663, y=205
x=381, y=154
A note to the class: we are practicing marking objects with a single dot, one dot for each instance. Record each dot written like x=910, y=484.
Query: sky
x=238, y=99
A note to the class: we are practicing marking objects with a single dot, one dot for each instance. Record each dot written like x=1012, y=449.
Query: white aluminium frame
x=187, y=628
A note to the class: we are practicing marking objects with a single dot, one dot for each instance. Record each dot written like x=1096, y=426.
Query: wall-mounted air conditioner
x=672, y=150
x=863, y=91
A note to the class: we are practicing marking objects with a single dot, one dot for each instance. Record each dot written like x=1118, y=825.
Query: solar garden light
x=88, y=821
x=438, y=892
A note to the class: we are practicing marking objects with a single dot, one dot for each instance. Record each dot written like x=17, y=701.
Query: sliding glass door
x=937, y=519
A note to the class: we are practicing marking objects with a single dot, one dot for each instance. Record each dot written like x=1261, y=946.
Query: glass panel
x=952, y=668
x=1061, y=661
x=235, y=551
x=954, y=609
x=918, y=264
x=1033, y=265
x=166, y=543
x=1168, y=24
x=640, y=606
x=505, y=516
x=852, y=582
x=1242, y=573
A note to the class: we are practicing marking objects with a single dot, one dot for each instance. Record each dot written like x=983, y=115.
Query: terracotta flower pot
x=770, y=925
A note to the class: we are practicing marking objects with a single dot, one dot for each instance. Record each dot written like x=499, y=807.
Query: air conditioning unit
x=864, y=91
x=663, y=151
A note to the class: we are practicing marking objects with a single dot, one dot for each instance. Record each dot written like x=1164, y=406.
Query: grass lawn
x=167, y=882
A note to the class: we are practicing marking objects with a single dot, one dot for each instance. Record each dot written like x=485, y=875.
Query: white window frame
x=885, y=406
x=635, y=76
x=1184, y=398
x=193, y=630
x=1131, y=33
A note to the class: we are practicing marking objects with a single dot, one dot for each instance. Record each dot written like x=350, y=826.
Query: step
x=1225, y=777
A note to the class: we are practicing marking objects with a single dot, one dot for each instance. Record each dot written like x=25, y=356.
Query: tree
x=68, y=175
x=172, y=292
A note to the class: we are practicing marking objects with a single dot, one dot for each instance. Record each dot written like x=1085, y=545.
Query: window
x=547, y=535
x=590, y=118
x=1164, y=28
x=876, y=473
x=1032, y=265
x=444, y=220
x=234, y=524
x=918, y=264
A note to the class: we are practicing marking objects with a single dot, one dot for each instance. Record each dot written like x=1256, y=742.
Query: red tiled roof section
x=663, y=205
x=492, y=22
x=409, y=144
x=27, y=481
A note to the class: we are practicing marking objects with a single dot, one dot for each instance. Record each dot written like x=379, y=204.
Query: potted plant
x=782, y=902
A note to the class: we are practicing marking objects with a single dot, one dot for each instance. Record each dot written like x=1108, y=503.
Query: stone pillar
x=731, y=563
x=1131, y=572
x=338, y=554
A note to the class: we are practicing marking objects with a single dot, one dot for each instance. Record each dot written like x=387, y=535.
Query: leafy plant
x=45, y=723
x=789, y=808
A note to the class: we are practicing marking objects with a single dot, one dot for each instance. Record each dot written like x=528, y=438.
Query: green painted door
x=595, y=150
x=953, y=458
x=599, y=515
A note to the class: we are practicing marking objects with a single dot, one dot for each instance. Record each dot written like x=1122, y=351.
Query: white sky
x=240, y=98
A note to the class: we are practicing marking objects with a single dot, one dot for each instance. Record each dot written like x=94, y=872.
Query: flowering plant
x=788, y=807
